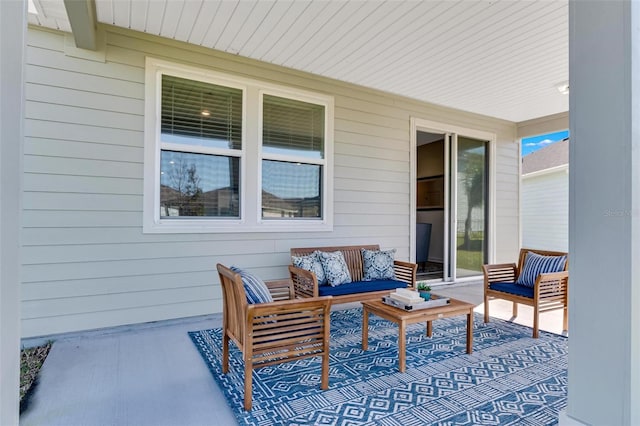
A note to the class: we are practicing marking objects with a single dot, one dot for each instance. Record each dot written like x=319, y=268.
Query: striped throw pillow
x=255, y=289
x=536, y=264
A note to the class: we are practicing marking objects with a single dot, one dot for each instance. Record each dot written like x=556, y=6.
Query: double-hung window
x=293, y=160
x=228, y=154
x=200, y=149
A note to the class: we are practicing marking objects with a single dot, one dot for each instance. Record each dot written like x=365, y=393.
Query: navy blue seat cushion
x=513, y=288
x=360, y=287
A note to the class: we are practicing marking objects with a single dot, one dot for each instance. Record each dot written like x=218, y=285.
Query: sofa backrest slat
x=352, y=255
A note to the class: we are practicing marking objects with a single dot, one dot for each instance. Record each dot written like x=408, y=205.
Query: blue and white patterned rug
x=510, y=379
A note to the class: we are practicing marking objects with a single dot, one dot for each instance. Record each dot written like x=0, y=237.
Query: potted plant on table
x=424, y=290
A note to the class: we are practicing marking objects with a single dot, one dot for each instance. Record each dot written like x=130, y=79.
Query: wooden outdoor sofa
x=306, y=285
x=274, y=332
x=550, y=290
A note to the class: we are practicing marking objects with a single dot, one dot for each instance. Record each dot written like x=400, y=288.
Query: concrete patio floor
x=152, y=374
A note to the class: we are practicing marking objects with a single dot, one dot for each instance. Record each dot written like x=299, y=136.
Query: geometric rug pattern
x=510, y=379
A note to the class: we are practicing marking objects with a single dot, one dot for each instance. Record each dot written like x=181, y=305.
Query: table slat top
x=454, y=305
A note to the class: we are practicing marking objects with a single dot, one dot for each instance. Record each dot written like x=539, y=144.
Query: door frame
x=419, y=124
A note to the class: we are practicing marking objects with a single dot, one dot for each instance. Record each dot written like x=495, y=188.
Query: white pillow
x=335, y=268
x=311, y=263
x=378, y=264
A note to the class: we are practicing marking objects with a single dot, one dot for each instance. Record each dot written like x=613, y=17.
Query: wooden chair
x=275, y=332
x=551, y=291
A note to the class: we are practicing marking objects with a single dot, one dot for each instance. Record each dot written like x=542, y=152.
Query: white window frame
x=310, y=98
x=250, y=155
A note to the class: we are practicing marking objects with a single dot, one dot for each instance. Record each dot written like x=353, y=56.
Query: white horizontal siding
x=507, y=198
x=44, y=290
x=74, y=149
x=83, y=133
x=41, y=182
x=86, y=262
x=81, y=167
x=114, y=235
x=545, y=211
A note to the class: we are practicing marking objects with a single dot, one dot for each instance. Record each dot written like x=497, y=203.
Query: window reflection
x=291, y=190
x=199, y=185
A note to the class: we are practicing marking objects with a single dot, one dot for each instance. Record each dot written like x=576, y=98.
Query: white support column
x=604, y=213
x=13, y=26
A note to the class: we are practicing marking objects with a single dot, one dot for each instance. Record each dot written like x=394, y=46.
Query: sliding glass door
x=455, y=167
x=469, y=190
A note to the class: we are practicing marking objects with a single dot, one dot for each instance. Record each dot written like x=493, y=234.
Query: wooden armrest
x=500, y=272
x=305, y=283
x=405, y=271
x=553, y=276
x=289, y=305
x=285, y=307
x=280, y=289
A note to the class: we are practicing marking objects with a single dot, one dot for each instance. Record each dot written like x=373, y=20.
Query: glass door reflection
x=470, y=219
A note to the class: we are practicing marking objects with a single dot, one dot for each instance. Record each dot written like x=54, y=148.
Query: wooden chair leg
x=536, y=317
x=514, y=310
x=324, y=382
x=565, y=319
x=486, y=308
x=225, y=353
x=248, y=384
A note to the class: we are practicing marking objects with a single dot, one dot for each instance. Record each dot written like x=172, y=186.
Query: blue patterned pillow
x=311, y=263
x=536, y=264
x=335, y=268
x=378, y=264
x=255, y=289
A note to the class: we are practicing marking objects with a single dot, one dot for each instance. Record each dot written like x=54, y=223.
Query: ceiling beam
x=82, y=17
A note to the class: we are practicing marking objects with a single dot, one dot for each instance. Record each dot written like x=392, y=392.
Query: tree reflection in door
x=471, y=212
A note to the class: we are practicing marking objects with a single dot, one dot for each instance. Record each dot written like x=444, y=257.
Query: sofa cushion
x=255, y=289
x=378, y=264
x=335, y=268
x=513, y=288
x=311, y=263
x=536, y=264
x=360, y=287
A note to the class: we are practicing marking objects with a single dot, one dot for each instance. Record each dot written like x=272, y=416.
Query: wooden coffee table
x=404, y=318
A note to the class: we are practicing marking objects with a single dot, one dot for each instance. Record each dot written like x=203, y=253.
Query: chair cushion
x=255, y=289
x=378, y=264
x=360, y=287
x=335, y=268
x=536, y=264
x=513, y=288
x=311, y=263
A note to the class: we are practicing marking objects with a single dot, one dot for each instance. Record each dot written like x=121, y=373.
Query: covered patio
x=152, y=374
x=82, y=250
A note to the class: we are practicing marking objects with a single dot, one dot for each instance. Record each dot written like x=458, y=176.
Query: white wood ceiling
x=501, y=58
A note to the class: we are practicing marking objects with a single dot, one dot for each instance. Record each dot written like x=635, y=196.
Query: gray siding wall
x=86, y=262
x=545, y=211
